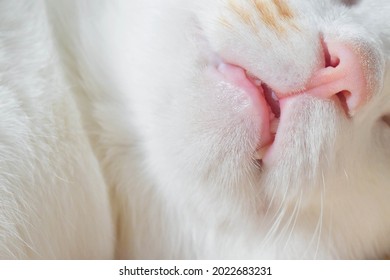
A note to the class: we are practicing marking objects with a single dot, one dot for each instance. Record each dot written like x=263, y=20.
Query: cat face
x=272, y=101
x=280, y=46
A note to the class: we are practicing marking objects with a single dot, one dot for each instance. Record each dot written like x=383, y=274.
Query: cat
x=229, y=129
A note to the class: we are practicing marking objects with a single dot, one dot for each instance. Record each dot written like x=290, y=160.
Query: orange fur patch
x=283, y=9
x=239, y=10
x=266, y=11
x=274, y=13
x=243, y=13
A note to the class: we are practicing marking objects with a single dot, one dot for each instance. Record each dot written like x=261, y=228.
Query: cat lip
x=264, y=99
x=270, y=95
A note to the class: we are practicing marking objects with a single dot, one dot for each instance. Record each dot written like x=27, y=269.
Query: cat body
x=143, y=129
x=54, y=201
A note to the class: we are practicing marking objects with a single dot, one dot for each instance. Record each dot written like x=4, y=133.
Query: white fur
x=114, y=100
x=54, y=200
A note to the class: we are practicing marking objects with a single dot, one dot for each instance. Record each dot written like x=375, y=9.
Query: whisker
x=295, y=214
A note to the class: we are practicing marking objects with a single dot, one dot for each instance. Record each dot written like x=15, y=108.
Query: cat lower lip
x=264, y=100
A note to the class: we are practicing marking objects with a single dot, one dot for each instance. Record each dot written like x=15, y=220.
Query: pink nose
x=343, y=75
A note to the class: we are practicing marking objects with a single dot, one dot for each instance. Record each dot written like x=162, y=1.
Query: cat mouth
x=266, y=103
x=273, y=105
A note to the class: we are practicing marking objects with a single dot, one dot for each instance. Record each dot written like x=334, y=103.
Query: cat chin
x=303, y=149
x=301, y=155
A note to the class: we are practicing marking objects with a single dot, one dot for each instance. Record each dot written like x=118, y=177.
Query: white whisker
x=295, y=214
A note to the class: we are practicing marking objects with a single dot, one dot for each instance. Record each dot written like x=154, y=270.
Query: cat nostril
x=343, y=96
x=330, y=59
x=386, y=120
x=343, y=76
x=334, y=62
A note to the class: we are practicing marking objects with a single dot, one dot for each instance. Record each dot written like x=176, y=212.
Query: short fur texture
x=118, y=141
